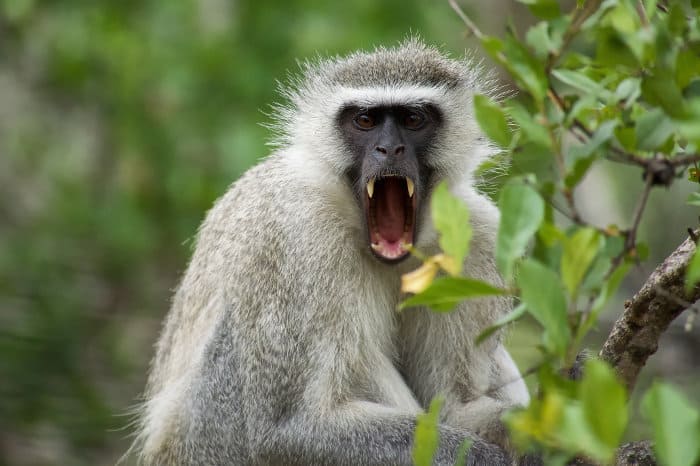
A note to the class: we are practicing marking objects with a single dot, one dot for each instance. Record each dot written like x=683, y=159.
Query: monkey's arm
x=481, y=411
x=360, y=433
x=338, y=410
x=283, y=401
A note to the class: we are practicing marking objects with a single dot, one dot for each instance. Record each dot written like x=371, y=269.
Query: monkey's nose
x=398, y=150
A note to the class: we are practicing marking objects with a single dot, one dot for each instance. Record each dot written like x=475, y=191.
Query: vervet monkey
x=284, y=345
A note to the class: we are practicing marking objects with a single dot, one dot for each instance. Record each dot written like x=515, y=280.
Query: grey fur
x=283, y=344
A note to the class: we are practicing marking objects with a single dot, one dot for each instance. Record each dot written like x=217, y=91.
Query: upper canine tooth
x=410, y=186
x=370, y=188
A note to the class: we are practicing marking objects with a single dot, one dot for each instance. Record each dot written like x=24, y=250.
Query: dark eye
x=413, y=120
x=364, y=121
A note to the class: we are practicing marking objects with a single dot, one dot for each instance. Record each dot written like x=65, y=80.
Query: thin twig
x=617, y=154
x=642, y=12
x=575, y=215
x=631, y=239
x=466, y=20
x=574, y=218
x=631, y=234
x=473, y=27
x=684, y=160
x=579, y=16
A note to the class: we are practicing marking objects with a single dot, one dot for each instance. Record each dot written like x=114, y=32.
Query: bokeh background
x=120, y=124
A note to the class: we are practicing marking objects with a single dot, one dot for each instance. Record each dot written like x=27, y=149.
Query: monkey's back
x=250, y=267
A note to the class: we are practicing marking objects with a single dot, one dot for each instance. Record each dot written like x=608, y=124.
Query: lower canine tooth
x=410, y=186
x=370, y=188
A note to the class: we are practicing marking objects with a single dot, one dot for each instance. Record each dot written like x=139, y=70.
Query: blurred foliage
x=120, y=123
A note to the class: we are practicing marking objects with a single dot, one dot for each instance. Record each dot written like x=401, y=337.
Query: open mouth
x=391, y=216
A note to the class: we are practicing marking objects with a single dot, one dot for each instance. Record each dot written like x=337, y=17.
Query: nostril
x=381, y=149
x=399, y=150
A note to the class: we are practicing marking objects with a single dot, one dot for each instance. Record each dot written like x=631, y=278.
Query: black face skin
x=390, y=144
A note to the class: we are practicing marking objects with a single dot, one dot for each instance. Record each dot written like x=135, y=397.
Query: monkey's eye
x=413, y=120
x=364, y=121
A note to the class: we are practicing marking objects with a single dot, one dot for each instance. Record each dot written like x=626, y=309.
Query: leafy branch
x=615, y=80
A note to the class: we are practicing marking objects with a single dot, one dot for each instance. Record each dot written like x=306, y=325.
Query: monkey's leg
x=358, y=433
x=481, y=411
x=335, y=423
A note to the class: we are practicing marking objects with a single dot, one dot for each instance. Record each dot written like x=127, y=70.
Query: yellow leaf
x=421, y=278
x=447, y=263
x=612, y=230
x=551, y=414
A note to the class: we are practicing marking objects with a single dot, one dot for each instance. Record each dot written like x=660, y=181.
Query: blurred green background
x=120, y=123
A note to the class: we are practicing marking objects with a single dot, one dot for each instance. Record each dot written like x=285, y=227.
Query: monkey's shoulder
x=272, y=221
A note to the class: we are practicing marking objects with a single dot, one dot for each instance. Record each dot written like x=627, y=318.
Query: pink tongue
x=390, y=208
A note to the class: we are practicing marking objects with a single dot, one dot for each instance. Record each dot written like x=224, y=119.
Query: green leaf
x=581, y=82
x=446, y=292
x=550, y=235
x=543, y=294
x=531, y=129
x=579, y=252
x=581, y=157
x=540, y=421
x=575, y=435
x=694, y=199
x=427, y=435
x=677, y=23
x=661, y=89
x=492, y=120
x=676, y=425
x=607, y=292
x=451, y=220
x=524, y=67
x=515, y=314
x=604, y=402
x=545, y=9
x=628, y=91
x=653, y=129
x=522, y=212
x=623, y=18
x=492, y=45
x=538, y=38
x=627, y=137
x=531, y=159
x=464, y=451
x=690, y=128
x=687, y=66
x=692, y=273
x=613, y=51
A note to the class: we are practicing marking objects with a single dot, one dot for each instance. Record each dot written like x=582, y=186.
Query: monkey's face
x=390, y=145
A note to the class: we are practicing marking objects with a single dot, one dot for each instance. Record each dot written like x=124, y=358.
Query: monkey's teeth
x=376, y=247
x=410, y=186
x=370, y=188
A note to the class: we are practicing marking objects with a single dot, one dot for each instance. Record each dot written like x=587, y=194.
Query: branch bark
x=636, y=454
x=635, y=335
